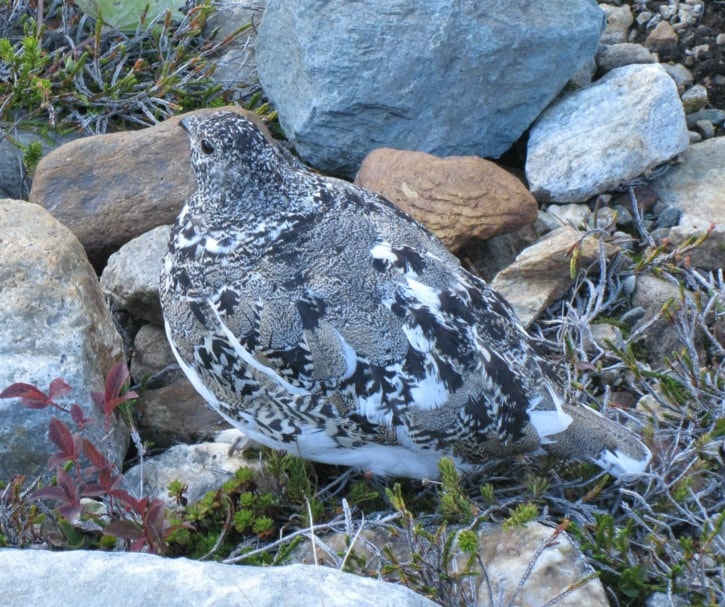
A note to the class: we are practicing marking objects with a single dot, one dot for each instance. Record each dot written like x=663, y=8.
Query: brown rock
x=457, y=198
x=108, y=189
x=176, y=414
x=541, y=273
x=662, y=37
x=171, y=410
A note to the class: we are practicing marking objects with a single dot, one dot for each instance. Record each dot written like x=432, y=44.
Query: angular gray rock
x=131, y=277
x=348, y=77
x=612, y=56
x=81, y=578
x=53, y=323
x=237, y=66
x=697, y=187
x=597, y=138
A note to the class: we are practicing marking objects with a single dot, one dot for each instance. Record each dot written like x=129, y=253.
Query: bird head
x=229, y=153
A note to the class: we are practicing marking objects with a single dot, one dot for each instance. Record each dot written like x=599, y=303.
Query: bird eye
x=206, y=146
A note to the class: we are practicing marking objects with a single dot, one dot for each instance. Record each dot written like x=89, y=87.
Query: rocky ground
x=639, y=335
x=700, y=42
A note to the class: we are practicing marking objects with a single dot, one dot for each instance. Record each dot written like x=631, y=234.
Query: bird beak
x=185, y=125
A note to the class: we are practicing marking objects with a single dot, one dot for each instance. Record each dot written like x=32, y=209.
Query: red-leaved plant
x=142, y=522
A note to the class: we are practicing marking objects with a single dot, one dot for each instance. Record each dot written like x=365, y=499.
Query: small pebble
x=693, y=137
x=643, y=17
x=680, y=74
x=624, y=217
x=623, y=240
x=694, y=98
x=700, y=49
x=713, y=115
x=667, y=12
x=602, y=217
x=705, y=128
x=629, y=284
x=633, y=316
x=659, y=235
x=669, y=217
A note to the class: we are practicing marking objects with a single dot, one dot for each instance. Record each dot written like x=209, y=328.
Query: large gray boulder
x=53, y=323
x=86, y=579
x=448, y=77
x=597, y=138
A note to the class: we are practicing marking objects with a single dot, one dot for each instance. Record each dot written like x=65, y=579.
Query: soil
x=707, y=66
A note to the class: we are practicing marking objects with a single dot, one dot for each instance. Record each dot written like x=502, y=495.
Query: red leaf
x=126, y=530
x=115, y=380
x=99, y=400
x=60, y=435
x=58, y=388
x=155, y=516
x=69, y=444
x=31, y=397
x=66, y=491
x=97, y=459
x=79, y=417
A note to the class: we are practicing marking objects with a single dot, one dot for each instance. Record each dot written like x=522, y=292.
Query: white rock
x=87, y=579
x=507, y=556
x=204, y=467
x=570, y=214
x=619, y=18
x=605, y=134
x=695, y=98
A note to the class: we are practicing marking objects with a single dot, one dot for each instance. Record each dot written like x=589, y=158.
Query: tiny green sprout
x=263, y=525
x=176, y=490
x=488, y=493
x=243, y=519
x=538, y=486
x=468, y=541
x=520, y=516
x=395, y=496
x=246, y=499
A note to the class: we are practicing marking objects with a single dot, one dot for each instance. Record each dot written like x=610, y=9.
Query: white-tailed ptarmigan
x=318, y=318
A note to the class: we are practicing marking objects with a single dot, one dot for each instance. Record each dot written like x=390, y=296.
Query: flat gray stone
x=440, y=77
x=599, y=137
x=86, y=579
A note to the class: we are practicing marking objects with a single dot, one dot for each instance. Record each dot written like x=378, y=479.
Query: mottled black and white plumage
x=318, y=318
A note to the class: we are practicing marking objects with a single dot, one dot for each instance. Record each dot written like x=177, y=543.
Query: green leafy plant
x=76, y=73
